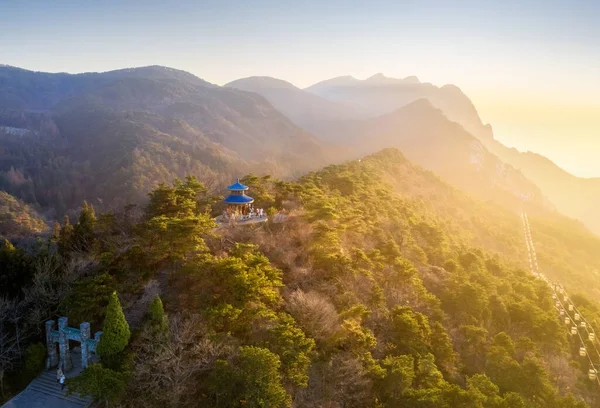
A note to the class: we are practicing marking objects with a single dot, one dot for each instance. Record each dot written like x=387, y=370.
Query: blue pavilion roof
x=237, y=186
x=238, y=199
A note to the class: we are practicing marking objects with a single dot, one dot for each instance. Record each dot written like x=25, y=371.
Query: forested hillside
x=428, y=138
x=111, y=137
x=384, y=287
x=18, y=219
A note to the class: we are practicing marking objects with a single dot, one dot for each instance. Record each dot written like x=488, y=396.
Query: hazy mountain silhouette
x=573, y=196
x=30, y=90
x=416, y=127
x=378, y=95
x=303, y=107
x=427, y=137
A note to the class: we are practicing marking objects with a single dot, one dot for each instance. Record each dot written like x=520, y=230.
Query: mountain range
x=380, y=120
x=110, y=137
x=408, y=115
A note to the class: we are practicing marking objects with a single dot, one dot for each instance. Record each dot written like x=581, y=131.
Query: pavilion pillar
x=63, y=345
x=52, y=360
x=85, y=332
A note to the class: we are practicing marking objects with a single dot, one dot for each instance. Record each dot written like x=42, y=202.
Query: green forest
x=383, y=287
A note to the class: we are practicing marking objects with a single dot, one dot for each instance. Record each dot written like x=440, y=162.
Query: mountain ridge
x=572, y=195
x=115, y=135
x=300, y=106
x=247, y=127
x=380, y=135
x=377, y=100
x=426, y=136
x=378, y=97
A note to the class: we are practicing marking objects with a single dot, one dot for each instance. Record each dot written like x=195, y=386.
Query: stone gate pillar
x=84, y=329
x=52, y=360
x=63, y=345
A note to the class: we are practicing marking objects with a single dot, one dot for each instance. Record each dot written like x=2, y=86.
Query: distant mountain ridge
x=154, y=123
x=396, y=119
x=348, y=80
x=30, y=90
x=573, y=196
x=110, y=137
x=302, y=107
x=378, y=95
x=426, y=136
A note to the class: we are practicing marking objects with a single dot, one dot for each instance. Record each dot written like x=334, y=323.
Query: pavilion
x=237, y=201
x=240, y=208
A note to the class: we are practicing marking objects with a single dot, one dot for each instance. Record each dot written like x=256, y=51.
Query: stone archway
x=62, y=336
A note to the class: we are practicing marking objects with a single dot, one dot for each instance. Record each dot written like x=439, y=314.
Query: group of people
x=257, y=212
x=251, y=213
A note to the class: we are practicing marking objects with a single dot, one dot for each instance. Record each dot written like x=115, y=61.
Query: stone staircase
x=45, y=392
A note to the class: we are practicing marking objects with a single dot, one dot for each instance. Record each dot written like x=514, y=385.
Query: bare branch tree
x=167, y=368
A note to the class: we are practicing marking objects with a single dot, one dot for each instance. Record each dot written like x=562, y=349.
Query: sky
x=531, y=67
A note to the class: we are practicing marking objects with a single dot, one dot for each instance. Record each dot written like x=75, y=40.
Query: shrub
x=35, y=357
x=102, y=384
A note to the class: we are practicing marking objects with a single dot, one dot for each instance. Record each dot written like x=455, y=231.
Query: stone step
x=44, y=391
x=54, y=389
x=56, y=392
x=46, y=383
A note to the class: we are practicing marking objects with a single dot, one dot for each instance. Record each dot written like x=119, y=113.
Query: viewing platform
x=240, y=219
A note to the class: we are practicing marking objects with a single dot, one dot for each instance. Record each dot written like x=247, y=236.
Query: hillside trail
x=135, y=313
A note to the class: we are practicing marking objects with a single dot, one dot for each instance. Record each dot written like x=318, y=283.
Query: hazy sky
x=532, y=68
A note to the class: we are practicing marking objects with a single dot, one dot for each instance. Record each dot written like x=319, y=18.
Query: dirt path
x=136, y=312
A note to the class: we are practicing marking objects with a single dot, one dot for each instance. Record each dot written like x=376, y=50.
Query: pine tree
x=7, y=246
x=87, y=216
x=116, y=334
x=15, y=270
x=157, y=316
x=84, y=229
x=175, y=223
x=66, y=237
x=252, y=380
x=56, y=231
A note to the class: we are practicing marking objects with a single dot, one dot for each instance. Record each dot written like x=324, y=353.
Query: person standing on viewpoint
x=62, y=381
x=59, y=373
